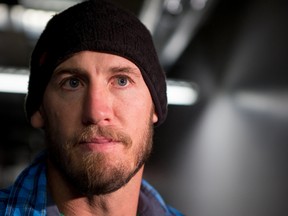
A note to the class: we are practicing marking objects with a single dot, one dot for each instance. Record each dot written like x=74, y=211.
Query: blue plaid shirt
x=27, y=196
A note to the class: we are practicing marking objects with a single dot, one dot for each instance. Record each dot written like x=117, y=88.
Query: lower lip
x=99, y=147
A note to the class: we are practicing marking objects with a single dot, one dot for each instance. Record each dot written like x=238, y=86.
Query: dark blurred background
x=223, y=154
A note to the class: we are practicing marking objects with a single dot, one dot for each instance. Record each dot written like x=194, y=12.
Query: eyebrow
x=125, y=69
x=59, y=72
x=68, y=70
x=117, y=69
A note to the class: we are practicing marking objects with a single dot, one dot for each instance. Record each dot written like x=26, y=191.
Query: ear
x=154, y=117
x=37, y=120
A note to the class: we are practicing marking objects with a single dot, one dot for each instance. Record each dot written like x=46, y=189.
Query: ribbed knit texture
x=95, y=25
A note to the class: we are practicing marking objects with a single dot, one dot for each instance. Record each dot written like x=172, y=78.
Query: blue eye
x=74, y=83
x=122, y=81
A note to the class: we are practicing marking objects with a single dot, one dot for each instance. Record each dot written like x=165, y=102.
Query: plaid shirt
x=27, y=196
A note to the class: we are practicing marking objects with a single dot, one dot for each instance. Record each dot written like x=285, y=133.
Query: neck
x=124, y=201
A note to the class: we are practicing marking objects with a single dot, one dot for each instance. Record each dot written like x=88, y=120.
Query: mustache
x=90, y=132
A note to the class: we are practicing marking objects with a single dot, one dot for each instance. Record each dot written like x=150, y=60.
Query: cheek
x=59, y=126
x=137, y=114
x=133, y=109
x=59, y=113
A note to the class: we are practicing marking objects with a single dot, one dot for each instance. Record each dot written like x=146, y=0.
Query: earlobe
x=37, y=120
x=155, y=118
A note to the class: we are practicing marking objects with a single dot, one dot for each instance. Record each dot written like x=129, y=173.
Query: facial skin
x=98, y=116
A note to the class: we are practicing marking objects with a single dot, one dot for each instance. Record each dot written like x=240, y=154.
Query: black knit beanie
x=95, y=25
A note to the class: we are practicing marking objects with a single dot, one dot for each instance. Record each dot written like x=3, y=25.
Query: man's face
x=98, y=116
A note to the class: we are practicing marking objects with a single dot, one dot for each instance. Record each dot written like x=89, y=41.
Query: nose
x=97, y=106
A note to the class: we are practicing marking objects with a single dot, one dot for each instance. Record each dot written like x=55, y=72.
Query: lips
x=102, y=136
x=98, y=140
x=99, y=144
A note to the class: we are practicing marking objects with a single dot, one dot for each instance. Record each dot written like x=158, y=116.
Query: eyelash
x=115, y=81
x=127, y=79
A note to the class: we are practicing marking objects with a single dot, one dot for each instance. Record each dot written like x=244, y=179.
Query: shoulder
x=28, y=190
x=152, y=203
x=4, y=193
x=4, y=196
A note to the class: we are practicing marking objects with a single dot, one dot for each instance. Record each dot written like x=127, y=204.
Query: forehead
x=98, y=60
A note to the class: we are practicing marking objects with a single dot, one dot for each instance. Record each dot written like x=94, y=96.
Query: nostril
x=93, y=119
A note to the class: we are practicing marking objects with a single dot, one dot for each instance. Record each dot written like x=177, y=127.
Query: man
x=97, y=90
